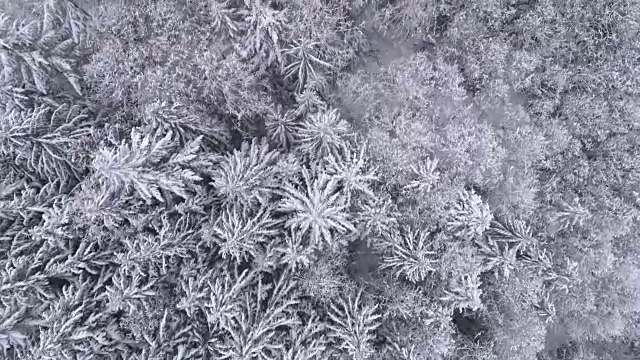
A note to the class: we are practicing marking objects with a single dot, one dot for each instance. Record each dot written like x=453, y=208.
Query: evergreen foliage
x=470, y=217
x=36, y=53
x=41, y=141
x=410, y=256
x=296, y=252
x=149, y=165
x=322, y=134
x=246, y=177
x=186, y=123
x=293, y=179
x=238, y=233
x=351, y=170
x=317, y=209
x=282, y=128
x=304, y=60
x=352, y=326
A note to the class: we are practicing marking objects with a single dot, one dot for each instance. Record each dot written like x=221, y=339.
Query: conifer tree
x=470, y=217
x=353, y=325
x=41, y=54
x=239, y=231
x=322, y=134
x=186, y=123
x=306, y=341
x=464, y=291
x=296, y=252
x=43, y=141
x=237, y=167
x=263, y=26
x=304, y=58
x=410, y=255
x=246, y=176
x=316, y=208
x=351, y=170
x=254, y=332
x=282, y=127
x=149, y=164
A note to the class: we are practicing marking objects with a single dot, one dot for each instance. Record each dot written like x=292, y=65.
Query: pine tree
x=425, y=176
x=224, y=18
x=464, y=292
x=167, y=336
x=149, y=165
x=282, y=128
x=410, y=255
x=498, y=257
x=305, y=341
x=513, y=231
x=377, y=218
x=546, y=309
x=570, y=216
x=101, y=205
x=239, y=231
x=216, y=294
x=352, y=326
x=224, y=298
x=43, y=141
x=350, y=169
x=128, y=291
x=317, y=209
x=256, y=331
x=470, y=217
x=186, y=123
x=153, y=254
x=37, y=55
x=262, y=39
x=304, y=58
x=246, y=176
x=21, y=208
x=322, y=135
x=309, y=102
x=73, y=326
x=295, y=251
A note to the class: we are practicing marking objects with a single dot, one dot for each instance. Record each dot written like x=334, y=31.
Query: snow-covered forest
x=320, y=179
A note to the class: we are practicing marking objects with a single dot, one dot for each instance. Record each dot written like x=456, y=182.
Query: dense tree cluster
x=320, y=179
